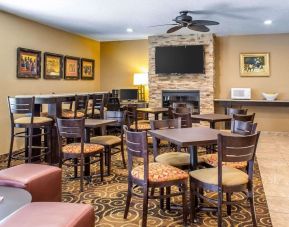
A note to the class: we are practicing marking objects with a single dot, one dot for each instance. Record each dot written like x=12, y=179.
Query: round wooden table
x=13, y=199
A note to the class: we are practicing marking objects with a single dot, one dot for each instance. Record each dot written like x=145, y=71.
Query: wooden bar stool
x=22, y=116
x=80, y=108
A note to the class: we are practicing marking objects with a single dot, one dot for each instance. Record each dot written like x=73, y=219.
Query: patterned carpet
x=108, y=198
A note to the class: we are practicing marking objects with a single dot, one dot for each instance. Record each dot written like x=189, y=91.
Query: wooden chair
x=96, y=110
x=74, y=129
x=113, y=104
x=238, y=127
x=231, y=112
x=224, y=179
x=132, y=120
x=80, y=108
x=186, y=119
x=22, y=116
x=111, y=142
x=151, y=175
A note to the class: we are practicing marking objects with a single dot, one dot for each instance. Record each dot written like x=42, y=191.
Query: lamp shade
x=140, y=79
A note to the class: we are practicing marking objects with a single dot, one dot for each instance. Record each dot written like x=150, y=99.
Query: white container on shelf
x=270, y=96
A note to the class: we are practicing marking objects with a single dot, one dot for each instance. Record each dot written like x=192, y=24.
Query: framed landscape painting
x=254, y=64
x=53, y=66
x=28, y=63
x=87, y=69
x=71, y=68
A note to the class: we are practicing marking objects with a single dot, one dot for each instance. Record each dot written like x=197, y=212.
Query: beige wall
x=120, y=59
x=18, y=32
x=227, y=70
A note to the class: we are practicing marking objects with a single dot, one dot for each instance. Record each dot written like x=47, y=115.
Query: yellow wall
x=19, y=32
x=120, y=59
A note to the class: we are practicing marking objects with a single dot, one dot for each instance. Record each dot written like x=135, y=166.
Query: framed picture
x=87, y=69
x=53, y=66
x=28, y=63
x=71, y=68
x=254, y=64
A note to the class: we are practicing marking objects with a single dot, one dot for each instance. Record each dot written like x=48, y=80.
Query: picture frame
x=28, y=63
x=87, y=69
x=71, y=68
x=53, y=66
x=254, y=64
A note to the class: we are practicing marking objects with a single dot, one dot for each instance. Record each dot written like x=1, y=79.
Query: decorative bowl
x=270, y=96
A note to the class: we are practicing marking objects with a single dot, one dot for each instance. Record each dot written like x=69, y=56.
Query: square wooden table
x=155, y=111
x=212, y=118
x=187, y=137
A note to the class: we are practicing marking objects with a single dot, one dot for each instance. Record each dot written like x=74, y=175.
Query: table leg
x=193, y=157
x=156, y=116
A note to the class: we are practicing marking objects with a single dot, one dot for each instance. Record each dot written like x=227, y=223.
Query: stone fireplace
x=203, y=83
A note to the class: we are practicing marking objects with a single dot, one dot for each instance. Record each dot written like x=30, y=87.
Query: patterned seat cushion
x=75, y=148
x=141, y=126
x=105, y=140
x=230, y=176
x=212, y=159
x=70, y=114
x=36, y=120
x=159, y=172
x=176, y=159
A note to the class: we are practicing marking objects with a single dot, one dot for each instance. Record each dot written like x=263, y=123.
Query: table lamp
x=140, y=79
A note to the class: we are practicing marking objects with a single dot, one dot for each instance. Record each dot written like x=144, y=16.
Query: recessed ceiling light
x=129, y=30
x=268, y=22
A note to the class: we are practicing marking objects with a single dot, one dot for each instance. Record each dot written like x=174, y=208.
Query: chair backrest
x=113, y=104
x=21, y=106
x=130, y=116
x=237, y=149
x=166, y=124
x=243, y=127
x=81, y=102
x=136, y=144
x=244, y=117
x=70, y=128
x=115, y=115
x=98, y=103
x=231, y=111
x=171, y=112
x=186, y=119
x=179, y=104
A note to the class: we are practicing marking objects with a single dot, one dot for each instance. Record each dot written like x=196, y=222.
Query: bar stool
x=25, y=106
x=80, y=108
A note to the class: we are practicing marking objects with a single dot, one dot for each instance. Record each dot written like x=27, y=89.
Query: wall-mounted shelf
x=251, y=102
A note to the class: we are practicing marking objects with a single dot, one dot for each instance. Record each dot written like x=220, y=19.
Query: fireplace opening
x=190, y=98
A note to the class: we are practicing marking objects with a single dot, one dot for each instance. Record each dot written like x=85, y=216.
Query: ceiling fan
x=186, y=21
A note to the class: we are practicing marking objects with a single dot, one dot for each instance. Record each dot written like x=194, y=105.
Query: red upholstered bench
x=42, y=181
x=51, y=214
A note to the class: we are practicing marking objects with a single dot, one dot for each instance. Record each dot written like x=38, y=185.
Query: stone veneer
x=202, y=82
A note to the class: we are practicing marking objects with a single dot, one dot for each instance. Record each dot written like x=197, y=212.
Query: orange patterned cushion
x=75, y=148
x=159, y=172
x=212, y=159
x=70, y=114
x=141, y=126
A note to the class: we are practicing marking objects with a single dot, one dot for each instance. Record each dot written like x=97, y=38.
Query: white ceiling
x=108, y=19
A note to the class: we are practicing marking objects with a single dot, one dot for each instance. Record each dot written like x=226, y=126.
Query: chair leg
x=128, y=199
x=101, y=166
x=81, y=173
x=11, y=147
x=184, y=200
x=145, y=207
x=75, y=161
x=168, y=200
x=108, y=160
x=220, y=201
x=49, y=150
x=30, y=145
x=229, y=207
x=251, y=200
x=193, y=201
x=161, y=199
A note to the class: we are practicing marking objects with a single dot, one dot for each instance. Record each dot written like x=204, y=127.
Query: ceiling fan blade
x=161, y=25
x=174, y=29
x=199, y=28
x=222, y=13
x=204, y=22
